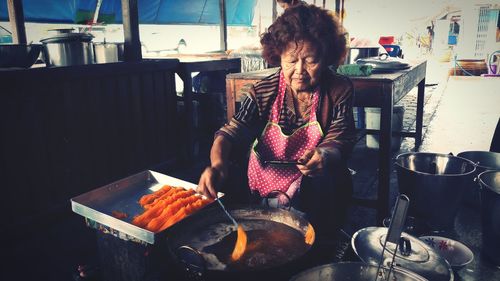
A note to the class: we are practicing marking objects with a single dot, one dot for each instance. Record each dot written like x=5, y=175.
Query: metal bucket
x=435, y=184
x=485, y=161
x=489, y=182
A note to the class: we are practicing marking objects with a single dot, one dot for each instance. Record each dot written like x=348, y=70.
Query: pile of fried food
x=167, y=206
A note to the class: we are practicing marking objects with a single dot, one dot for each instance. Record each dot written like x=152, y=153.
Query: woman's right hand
x=211, y=180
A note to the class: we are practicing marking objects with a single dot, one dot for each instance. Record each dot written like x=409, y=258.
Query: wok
x=202, y=243
x=19, y=55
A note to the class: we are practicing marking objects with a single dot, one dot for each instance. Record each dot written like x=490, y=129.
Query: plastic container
x=372, y=121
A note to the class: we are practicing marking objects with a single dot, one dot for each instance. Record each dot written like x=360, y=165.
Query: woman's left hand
x=315, y=161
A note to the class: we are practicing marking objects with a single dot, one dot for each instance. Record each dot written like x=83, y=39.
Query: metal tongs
x=398, y=219
x=282, y=162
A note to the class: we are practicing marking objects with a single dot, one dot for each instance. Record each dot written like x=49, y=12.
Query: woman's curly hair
x=305, y=22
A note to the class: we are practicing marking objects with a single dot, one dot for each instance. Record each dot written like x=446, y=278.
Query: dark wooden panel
x=161, y=114
x=148, y=115
x=67, y=132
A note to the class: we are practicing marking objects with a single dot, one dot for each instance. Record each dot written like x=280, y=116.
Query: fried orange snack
x=167, y=206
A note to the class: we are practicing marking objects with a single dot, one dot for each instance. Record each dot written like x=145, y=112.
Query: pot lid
x=421, y=258
x=68, y=37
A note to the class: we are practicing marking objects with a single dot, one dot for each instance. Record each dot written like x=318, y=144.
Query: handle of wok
x=193, y=262
x=278, y=192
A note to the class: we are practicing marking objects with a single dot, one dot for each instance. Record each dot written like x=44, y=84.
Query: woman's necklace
x=303, y=105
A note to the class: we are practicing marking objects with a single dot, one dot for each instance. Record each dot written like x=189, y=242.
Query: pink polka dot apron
x=273, y=144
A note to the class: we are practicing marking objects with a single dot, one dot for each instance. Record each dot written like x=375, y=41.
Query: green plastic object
x=355, y=70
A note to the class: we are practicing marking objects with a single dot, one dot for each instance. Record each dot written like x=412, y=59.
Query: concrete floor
x=457, y=117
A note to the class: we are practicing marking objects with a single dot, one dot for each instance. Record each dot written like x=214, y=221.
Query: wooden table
x=376, y=90
x=190, y=63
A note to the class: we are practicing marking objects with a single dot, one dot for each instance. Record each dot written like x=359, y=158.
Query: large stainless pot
x=354, y=271
x=485, y=161
x=68, y=48
x=198, y=243
x=490, y=214
x=435, y=184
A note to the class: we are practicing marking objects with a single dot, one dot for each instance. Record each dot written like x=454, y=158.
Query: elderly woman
x=301, y=114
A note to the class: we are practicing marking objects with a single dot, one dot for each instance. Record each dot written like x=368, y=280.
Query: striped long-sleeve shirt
x=334, y=113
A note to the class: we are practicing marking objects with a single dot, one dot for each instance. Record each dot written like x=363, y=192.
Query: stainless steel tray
x=123, y=195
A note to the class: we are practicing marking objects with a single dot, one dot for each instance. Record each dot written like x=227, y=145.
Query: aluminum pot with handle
x=68, y=48
x=411, y=254
x=354, y=271
x=276, y=245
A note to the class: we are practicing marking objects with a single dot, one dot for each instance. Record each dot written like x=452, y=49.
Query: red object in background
x=386, y=40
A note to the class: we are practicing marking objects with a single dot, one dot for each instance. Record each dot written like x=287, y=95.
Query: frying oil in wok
x=269, y=246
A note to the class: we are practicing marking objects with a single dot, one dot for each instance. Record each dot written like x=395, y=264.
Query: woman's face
x=302, y=66
x=284, y=5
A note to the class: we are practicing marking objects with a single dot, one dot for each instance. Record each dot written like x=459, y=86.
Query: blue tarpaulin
x=238, y=12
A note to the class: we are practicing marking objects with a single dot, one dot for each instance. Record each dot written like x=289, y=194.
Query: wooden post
x=16, y=18
x=132, y=46
x=275, y=11
x=223, y=25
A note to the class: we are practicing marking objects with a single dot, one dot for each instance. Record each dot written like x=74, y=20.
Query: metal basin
x=435, y=184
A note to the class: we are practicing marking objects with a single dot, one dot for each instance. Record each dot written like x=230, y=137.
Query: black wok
x=19, y=55
x=202, y=243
